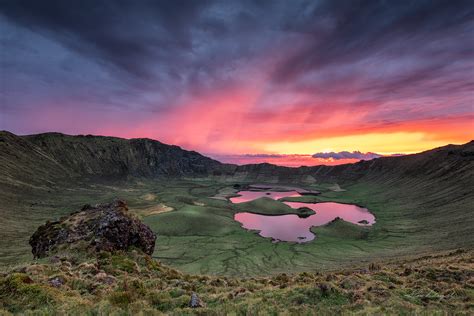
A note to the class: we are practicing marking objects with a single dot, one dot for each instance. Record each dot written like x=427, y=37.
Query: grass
x=130, y=282
x=402, y=229
x=340, y=229
x=199, y=234
x=265, y=205
x=302, y=199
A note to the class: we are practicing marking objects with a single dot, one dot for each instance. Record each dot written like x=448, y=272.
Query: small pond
x=291, y=227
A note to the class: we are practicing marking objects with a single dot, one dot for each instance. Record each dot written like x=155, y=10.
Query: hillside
x=131, y=283
x=423, y=203
x=432, y=164
x=55, y=156
x=96, y=261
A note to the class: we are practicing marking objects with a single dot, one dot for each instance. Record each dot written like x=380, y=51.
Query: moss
x=137, y=286
x=19, y=292
x=121, y=298
x=176, y=292
x=124, y=263
x=161, y=300
x=81, y=285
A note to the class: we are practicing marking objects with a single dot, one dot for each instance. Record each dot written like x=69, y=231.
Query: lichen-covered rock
x=106, y=227
x=195, y=301
x=56, y=282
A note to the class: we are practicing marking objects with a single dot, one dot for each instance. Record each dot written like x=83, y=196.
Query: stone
x=195, y=301
x=54, y=259
x=56, y=282
x=103, y=227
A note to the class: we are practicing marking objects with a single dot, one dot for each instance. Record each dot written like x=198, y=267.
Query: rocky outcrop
x=106, y=227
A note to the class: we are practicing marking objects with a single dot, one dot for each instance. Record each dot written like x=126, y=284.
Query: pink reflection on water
x=246, y=196
x=282, y=227
x=326, y=212
x=295, y=229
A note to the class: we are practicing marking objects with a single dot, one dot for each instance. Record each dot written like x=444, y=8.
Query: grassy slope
x=131, y=283
x=422, y=203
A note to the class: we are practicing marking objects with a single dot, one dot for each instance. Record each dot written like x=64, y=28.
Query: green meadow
x=197, y=233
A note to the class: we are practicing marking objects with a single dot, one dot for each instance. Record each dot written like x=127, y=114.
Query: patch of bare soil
x=149, y=197
x=336, y=188
x=226, y=193
x=154, y=210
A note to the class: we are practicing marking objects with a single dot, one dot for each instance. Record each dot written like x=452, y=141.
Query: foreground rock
x=105, y=227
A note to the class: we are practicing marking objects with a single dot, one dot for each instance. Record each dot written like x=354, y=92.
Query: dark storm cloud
x=344, y=31
x=381, y=51
x=128, y=34
x=169, y=39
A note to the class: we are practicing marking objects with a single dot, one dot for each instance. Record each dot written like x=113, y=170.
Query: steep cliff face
x=56, y=156
x=110, y=156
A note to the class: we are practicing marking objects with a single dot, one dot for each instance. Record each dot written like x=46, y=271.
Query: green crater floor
x=199, y=234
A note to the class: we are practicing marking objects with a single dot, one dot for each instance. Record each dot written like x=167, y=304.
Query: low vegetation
x=132, y=282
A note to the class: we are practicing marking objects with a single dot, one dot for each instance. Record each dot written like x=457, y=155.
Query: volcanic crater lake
x=294, y=228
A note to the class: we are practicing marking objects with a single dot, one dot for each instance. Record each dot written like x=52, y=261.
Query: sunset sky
x=243, y=81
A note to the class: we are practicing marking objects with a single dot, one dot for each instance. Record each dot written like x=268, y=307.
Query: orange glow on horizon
x=220, y=124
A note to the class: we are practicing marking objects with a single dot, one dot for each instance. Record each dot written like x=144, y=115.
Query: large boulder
x=103, y=227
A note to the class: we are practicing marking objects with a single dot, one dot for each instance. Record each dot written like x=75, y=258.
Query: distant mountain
x=50, y=157
x=54, y=156
x=451, y=160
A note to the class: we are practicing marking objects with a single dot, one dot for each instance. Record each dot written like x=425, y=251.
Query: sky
x=285, y=82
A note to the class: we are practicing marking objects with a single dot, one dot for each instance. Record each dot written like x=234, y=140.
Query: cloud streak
x=347, y=155
x=331, y=158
